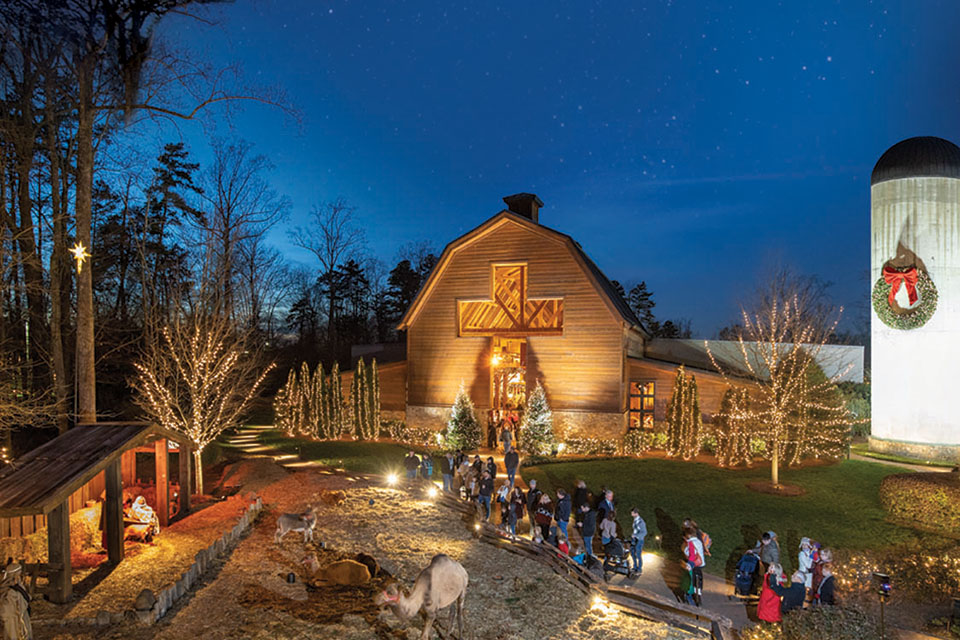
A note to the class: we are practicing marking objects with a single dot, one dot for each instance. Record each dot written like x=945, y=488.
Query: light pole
x=884, y=591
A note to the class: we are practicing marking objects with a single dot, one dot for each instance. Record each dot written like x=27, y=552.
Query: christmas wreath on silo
x=921, y=292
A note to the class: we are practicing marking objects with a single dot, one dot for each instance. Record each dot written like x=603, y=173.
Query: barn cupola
x=525, y=204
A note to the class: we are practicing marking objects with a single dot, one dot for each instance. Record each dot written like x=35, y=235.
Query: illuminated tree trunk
x=198, y=469
x=775, y=462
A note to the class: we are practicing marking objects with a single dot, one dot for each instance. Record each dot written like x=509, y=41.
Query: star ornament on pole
x=80, y=255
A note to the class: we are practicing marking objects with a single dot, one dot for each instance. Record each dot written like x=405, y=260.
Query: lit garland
x=198, y=381
x=590, y=446
x=733, y=428
x=911, y=318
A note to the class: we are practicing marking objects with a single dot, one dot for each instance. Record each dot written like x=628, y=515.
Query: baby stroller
x=746, y=574
x=616, y=558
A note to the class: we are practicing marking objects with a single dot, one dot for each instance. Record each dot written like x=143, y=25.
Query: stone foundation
x=589, y=424
x=391, y=414
x=432, y=417
x=918, y=450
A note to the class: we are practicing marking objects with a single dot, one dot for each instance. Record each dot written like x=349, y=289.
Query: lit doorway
x=508, y=366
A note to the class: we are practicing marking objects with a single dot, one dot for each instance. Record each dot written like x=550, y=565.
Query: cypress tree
x=336, y=402
x=374, y=398
x=684, y=422
x=358, y=400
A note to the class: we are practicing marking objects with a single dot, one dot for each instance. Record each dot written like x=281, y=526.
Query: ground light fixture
x=602, y=605
x=392, y=479
x=432, y=492
x=883, y=590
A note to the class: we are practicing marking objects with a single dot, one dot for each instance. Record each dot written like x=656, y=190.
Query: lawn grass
x=362, y=457
x=841, y=507
x=863, y=449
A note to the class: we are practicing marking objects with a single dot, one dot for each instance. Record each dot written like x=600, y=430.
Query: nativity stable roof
x=601, y=283
x=920, y=157
x=38, y=481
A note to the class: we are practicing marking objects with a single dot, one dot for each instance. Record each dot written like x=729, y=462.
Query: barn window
x=642, y=394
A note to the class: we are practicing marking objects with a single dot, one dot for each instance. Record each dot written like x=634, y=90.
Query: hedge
x=932, y=500
x=817, y=623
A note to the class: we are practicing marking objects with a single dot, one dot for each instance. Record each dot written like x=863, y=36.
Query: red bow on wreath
x=894, y=278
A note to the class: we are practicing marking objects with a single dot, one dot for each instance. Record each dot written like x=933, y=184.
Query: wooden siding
x=19, y=526
x=393, y=385
x=581, y=370
x=710, y=384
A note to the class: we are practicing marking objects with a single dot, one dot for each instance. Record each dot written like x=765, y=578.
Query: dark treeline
x=82, y=85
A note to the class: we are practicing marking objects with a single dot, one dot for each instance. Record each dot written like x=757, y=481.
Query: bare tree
x=333, y=237
x=240, y=206
x=784, y=331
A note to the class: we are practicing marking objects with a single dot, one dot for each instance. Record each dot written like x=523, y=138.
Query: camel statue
x=440, y=585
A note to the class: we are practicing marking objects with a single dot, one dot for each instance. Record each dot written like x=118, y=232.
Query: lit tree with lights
x=537, y=427
x=782, y=335
x=463, y=430
x=684, y=421
x=733, y=427
x=199, y=379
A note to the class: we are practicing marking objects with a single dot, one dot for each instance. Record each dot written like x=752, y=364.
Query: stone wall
x=918, y=450
x=431, y=417
x=587, y=424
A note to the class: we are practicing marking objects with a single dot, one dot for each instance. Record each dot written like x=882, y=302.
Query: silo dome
x=921, y=157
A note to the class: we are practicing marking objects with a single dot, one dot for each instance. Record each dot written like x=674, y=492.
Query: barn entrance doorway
x=508, y=367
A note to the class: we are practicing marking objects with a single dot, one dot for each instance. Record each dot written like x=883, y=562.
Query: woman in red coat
x=768, y=609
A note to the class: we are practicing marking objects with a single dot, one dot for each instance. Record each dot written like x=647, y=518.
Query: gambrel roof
x=614, y=301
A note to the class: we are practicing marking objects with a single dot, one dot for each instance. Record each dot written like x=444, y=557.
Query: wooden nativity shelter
x=45, y=481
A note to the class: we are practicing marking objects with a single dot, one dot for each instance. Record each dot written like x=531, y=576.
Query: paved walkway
x=902, y=465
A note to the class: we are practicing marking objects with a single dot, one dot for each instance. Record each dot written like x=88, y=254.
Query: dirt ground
x=247, y=595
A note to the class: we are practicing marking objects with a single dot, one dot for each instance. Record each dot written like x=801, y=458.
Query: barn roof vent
x=525, y=204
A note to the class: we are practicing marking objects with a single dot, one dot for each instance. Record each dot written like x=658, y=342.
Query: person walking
x=426, y=467
x=446, y=471
x=580, y=498
x=506, y=437
x=792, y=596
x=544, y=515
x=562, y=513
x=477, y=465
x=605, y=505
x=608, y=527
x=588, y=527
x=518, y=502
x=695, y=556
x=533, y=499
x=511, y=460
x=768, y=607
x=503, y=501
x=491, y=467
x=637, y=537
x=486, y=491
x=411, y=463
x=459, y=458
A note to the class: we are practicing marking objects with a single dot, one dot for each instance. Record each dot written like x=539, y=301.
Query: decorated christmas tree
x=463, y=430
x=537, y=429
x=684, y=422
x=734, y=427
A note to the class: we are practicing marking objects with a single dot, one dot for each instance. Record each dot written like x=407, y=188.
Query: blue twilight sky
x=690, y=144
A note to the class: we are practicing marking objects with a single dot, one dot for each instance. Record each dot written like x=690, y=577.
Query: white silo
x=915, y=332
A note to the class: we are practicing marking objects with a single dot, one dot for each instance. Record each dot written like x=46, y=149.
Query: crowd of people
x=595, y=516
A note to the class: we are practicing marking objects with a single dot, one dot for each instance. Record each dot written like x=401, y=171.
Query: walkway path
x=902, y=465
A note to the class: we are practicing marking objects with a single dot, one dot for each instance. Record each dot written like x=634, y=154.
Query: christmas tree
x=733, y=428
x=537, y=428
x=463, y=430
x=684, y=422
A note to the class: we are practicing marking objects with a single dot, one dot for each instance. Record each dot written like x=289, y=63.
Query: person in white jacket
x=805, y=560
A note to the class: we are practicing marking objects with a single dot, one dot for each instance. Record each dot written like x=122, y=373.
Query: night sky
x=694, y=145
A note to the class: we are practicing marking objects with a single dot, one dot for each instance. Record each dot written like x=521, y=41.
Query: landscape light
x=432, y=492
x=477, y=527
x=392, y=479
x=601, y=605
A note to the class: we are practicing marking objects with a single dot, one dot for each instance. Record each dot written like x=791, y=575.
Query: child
x=503, y=499
x=562, y=544
x=694, y=555
x=805, y=562
x=768, y=608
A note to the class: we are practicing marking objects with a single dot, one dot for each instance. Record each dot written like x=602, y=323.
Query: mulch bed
x=786, y=490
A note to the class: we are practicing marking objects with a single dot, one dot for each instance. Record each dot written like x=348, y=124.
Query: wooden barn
x=513, y=302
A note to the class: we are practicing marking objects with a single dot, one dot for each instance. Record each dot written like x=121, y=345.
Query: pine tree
x=684, y=422
x=463, y=430
x=537, y=429
x=374, y=399
x=733, y=428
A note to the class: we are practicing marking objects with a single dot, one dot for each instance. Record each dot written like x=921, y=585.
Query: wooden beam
x=113, y=509
x=58, y=553
x=163, y=481
x=128, y=468
x=186, y=477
